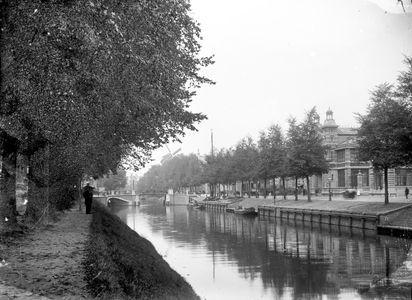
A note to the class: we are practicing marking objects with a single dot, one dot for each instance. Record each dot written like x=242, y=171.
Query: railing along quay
x=330, y=217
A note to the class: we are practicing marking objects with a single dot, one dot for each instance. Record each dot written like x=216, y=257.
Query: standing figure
x=406, y=192
x=88, y=197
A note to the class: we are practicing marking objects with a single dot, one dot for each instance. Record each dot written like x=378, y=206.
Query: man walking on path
x=88, y=197
x=406, y=192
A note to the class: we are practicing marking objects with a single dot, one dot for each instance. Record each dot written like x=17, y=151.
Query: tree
x=272, y=152
x=210, y=174
x=110, y=81
x=182, y=171
x=403, y=92
x=307, y=154
x=264, y=169
x=216, y=170
x=227, y=174
x=384, y=134
x=194, y=170
x=404, y=88
x=115, y=181
x=245, y=161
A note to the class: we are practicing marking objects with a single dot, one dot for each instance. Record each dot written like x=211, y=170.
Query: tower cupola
x=329, y=114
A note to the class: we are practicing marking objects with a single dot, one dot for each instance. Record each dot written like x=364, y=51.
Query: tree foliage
x=177, y=173
x=114, y=181
x=99, y=83
x=385, y=134
x=272, y=154
x=300, y=154
x=306, y=151
x=384, y=137
x=246, y=160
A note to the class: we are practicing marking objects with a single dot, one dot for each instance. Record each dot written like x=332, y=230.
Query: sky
x=275, y=59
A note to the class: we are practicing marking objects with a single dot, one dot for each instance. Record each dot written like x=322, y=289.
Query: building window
x=340, y=155
x=354, y=177
x=403, y=177
x=341, y=178
x=329, y=155
x=378, y=184
x=353, y=155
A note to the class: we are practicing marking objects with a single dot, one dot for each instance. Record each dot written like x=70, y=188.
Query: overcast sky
x=275, y=59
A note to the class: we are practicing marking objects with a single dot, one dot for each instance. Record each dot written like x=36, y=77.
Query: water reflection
x=227, y=256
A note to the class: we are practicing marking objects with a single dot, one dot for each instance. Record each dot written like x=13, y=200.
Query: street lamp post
x=330, y=193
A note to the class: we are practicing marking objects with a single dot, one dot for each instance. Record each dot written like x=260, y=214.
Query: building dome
x=329, y=122
x=329, y=112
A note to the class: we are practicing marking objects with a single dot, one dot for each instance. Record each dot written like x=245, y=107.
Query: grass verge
x=120, y=264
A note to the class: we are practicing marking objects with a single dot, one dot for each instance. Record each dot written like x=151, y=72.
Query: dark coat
x=88, y=193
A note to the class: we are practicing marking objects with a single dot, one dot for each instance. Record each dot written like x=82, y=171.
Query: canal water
x=227, y=256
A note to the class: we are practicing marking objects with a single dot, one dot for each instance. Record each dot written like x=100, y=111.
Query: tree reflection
x=288, y=257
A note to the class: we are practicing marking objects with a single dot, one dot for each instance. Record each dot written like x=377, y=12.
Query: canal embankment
x=363, y=212
x=121, y=264
x=83, y=256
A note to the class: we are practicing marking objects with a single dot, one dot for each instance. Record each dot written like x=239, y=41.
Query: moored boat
x=250, y=211
x=194, y=204
x=200, y=207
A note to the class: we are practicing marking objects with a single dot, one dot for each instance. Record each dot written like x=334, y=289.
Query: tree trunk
x=8, y=178
x=284, y=187
x=31, y=204
x=257, y=190
x=80, y=193
x=234, y=190
x=296, y=189
x=274, y=188
x=264, y=193
x=386, y=185
x=308, y=189
x=249, y=189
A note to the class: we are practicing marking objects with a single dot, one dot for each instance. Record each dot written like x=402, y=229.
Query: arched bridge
x=122, y=199
x=143, y=196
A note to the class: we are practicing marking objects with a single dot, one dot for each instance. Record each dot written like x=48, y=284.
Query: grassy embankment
x=120, y=264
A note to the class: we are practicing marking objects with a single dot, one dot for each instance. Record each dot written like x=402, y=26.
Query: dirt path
x=46, y=264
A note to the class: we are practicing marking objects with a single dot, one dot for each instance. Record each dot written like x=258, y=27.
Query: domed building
x=347, y=172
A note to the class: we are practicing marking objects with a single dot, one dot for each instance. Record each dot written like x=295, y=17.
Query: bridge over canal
x=122, y=198
x=130, y=198
x=169, y=199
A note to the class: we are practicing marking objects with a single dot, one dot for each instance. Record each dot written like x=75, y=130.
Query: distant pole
x=211, y=144
x=211, y=139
